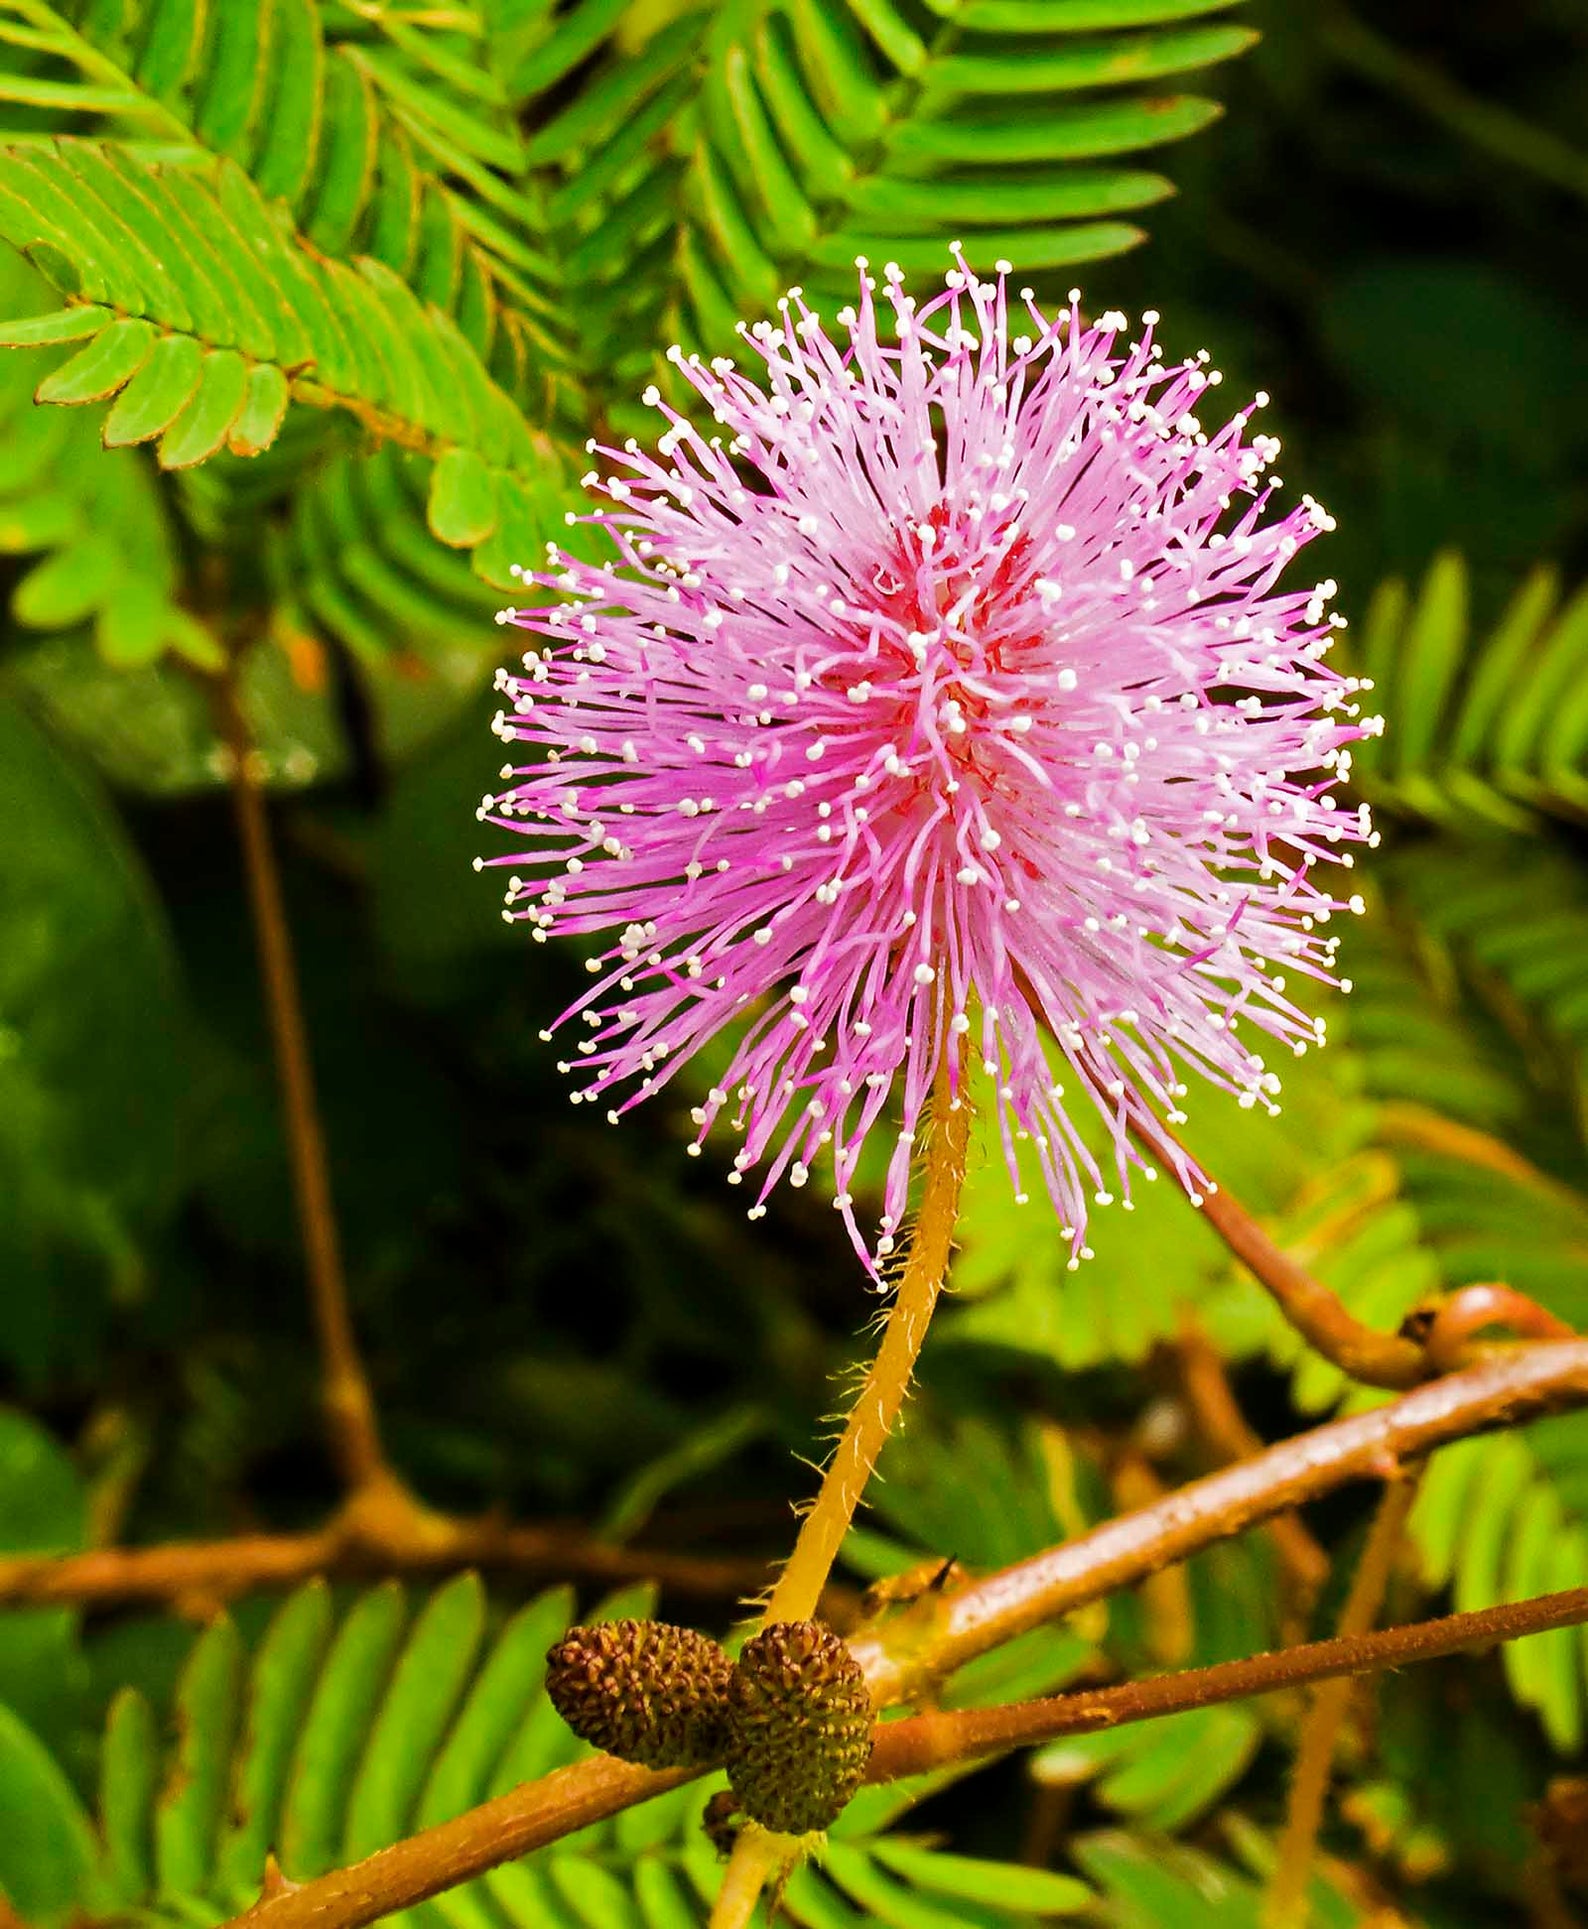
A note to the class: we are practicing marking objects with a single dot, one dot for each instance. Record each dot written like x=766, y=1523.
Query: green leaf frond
x=202, y=349
x=379, y=137
x=1148, y=1882
x=97, y=535
x=354, y=568
x=887, y=130
x=1509, y=916
x=1477, y=729
x=1501, y=1519
x=611, y=104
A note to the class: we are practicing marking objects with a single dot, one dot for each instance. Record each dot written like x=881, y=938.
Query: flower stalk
x=876, y=1407
x=757, y=1856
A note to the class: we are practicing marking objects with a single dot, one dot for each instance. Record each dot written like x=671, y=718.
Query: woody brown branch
x=919, y=1646
x=923, y=1742
x=942, y=1634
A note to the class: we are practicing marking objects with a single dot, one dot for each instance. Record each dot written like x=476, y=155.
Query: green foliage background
x=311, y=308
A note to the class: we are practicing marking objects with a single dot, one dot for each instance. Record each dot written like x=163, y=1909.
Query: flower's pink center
x=959, y=603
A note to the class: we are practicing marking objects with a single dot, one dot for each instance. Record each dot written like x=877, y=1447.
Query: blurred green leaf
x=43, y=1510
x=92, y=1037
x=1162, y=1774
x=47, y=1844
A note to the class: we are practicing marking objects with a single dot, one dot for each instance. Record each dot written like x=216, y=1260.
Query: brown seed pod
x=800, y=1718
x=644, y=1691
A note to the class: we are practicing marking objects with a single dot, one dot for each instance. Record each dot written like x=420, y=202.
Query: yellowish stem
x=871, y=1418
x=758, y=1856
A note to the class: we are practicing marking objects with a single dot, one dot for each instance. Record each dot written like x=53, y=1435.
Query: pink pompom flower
x=944, y=707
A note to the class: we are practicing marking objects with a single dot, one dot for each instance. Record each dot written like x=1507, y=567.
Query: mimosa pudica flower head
x=943, y=705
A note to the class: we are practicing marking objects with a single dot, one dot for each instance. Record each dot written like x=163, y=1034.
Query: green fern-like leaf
x=354, y=567
x=336, y=1736
x=1493, y=728
x=1149, y=1882
x=1502, y=1519
x=1163, y=1774
x=614, y=160
x=202, y=349
x=1514, y=914
x=103, y=548
x=828, y=132
x=380, y=138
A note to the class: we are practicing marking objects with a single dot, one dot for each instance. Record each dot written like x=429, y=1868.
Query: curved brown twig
x=206, y=1574
x=1376, y=1359
x=1456, y=1322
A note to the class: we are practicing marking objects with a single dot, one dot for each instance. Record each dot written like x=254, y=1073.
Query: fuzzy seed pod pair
x=791, y=1718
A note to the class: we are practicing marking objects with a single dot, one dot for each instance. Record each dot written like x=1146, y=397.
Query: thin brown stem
x=1286, y=1904
x=1374, y=1358
x=541, y=1812
x=911, y=1650
x=206, y=1574
x=923, y=1742
x=349, y=1406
